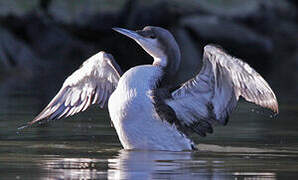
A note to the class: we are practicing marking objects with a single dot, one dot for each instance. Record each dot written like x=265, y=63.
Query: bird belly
x=138, y=125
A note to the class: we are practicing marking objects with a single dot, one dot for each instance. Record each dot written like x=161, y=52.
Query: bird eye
x=152, y=36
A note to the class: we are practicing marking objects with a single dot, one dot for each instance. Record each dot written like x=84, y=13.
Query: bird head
x=157, y=42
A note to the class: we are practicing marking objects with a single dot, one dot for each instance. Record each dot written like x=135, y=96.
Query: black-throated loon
x=147, y=111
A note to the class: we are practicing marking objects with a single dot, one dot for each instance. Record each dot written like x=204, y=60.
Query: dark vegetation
x=43, y=41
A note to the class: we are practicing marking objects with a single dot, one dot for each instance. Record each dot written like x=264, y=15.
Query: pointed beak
x=132, y=34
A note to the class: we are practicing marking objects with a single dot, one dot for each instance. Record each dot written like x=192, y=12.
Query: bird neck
x=170, y=64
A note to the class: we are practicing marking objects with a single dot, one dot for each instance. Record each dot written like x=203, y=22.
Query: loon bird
x=147, y=110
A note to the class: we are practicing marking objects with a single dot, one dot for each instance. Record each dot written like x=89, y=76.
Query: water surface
x=252, y=146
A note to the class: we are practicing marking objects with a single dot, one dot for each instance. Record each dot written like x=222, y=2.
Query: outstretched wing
x=212, y=95
x=93, y=83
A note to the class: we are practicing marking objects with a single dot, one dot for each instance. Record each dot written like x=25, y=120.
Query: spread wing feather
x=93, y=83
x=212, y=95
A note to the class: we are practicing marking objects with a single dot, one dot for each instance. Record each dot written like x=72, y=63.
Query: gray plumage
x=93, y=83
x=211, y=96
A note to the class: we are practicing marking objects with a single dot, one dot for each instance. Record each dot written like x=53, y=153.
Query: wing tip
x=35, y=120
x=273, y=105
x=275, y=108
x=29, y=124
x=24, y=127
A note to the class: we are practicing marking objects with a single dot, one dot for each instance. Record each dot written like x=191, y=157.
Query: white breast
x=134, y=117
x=132, y=91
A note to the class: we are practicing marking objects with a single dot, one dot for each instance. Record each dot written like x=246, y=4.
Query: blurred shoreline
x=43, y=41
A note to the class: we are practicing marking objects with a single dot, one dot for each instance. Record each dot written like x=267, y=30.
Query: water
x=252, y=146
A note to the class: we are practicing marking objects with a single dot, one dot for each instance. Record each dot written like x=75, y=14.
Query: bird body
x=148, y=111
x=134, y=117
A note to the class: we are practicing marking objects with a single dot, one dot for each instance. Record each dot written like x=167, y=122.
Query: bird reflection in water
x=146, y=165
x=73, y=168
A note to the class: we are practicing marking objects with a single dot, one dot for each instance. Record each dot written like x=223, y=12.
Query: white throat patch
x=163, y=61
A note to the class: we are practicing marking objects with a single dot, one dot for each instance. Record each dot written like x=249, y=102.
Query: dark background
x=43, y=41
